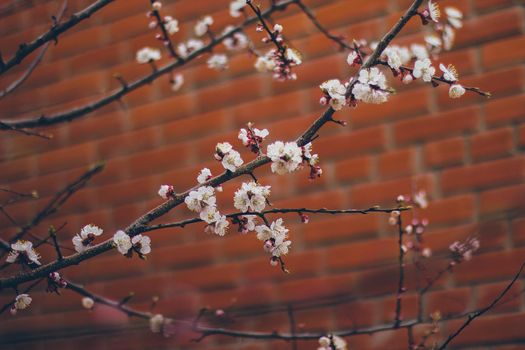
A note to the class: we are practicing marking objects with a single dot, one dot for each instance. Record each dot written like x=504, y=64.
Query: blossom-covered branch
x=139, y=225
x=78, y=112
x=299, y=211
x=52, y=34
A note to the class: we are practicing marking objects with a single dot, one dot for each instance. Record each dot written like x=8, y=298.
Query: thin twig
x=51, y=35
x=472, y=316
x=401, y=284
x=12, y=87
x=78, y=112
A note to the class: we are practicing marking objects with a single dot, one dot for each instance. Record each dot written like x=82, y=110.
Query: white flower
x=221, y=149
x=326, y=343
x=419, y=51
x=148, y=54
x=236, y=7
x=220, y=226
x=276, y=230
x=293, y=56
x=208, y=214
x=264, y=64
x=456, y=91
x=177, y=81
x=171, y=25
x=87, y=303
x=433, y=42
x=336, y=91
x=281, y=246
x=286, y=157
x=393, y=58
x=247, y=138
x=449, y=73
x=218, y=62
x=166, y=191
x=407, y=79
x=85, y=237
x=454, y=17
x=423, y=69
x=24, y=249
x=420, y=198
x=404, y=53
x=251, y=197
x=352, y=58
x=370, y=86
x=157, y=5
x=142, y=244
x=156, y=323
x=249, y=223
x=22, y=301
x=202, y=25
x=448, y=35
x=236, y=41
x=278, y=28
x=333, y=88
x=122, y=241
x=433, y=11
x=192, y=45
x=232, y=160
x=204, y=175
x=197, y=200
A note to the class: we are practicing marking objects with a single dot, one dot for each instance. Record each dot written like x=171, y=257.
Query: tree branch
x=27, y=48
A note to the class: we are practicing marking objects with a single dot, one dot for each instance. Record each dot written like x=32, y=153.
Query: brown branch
x=165, y=35
x=59, y=199
x=12, y=87
x=401, y=284
x=472, y=316
x=262, y=214
x=337, y=39
x=139, y=224
x=51, y=35
x=78, y=112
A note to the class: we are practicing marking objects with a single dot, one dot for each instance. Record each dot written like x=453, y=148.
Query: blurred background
x=467, y=154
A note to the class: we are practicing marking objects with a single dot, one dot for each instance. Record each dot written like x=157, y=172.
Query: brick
x=397, y=163
x=493, y=144
x=444, y=153
x=484, y=175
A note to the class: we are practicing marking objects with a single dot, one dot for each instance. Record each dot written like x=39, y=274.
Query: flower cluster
x=236, y=41
x=275, y=240
x=462, y=251
x=251, y=197
x=279, y=60
x=23, y=252
x=312, y=160
x=230, y=158
x=370, y=87
x=218, y=62
x=204, y=202
x=332, y=342
x=253, y=137
x=333, y=93
x=22, y=301
x=203, y=25
x=184, y=49
x=126, y=245
x=237, y=7
x=86, y=236
x=286, y=157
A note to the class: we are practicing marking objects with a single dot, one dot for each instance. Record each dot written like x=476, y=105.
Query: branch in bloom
x=78, y=112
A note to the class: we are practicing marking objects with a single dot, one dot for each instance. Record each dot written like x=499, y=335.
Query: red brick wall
x=466, y=153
